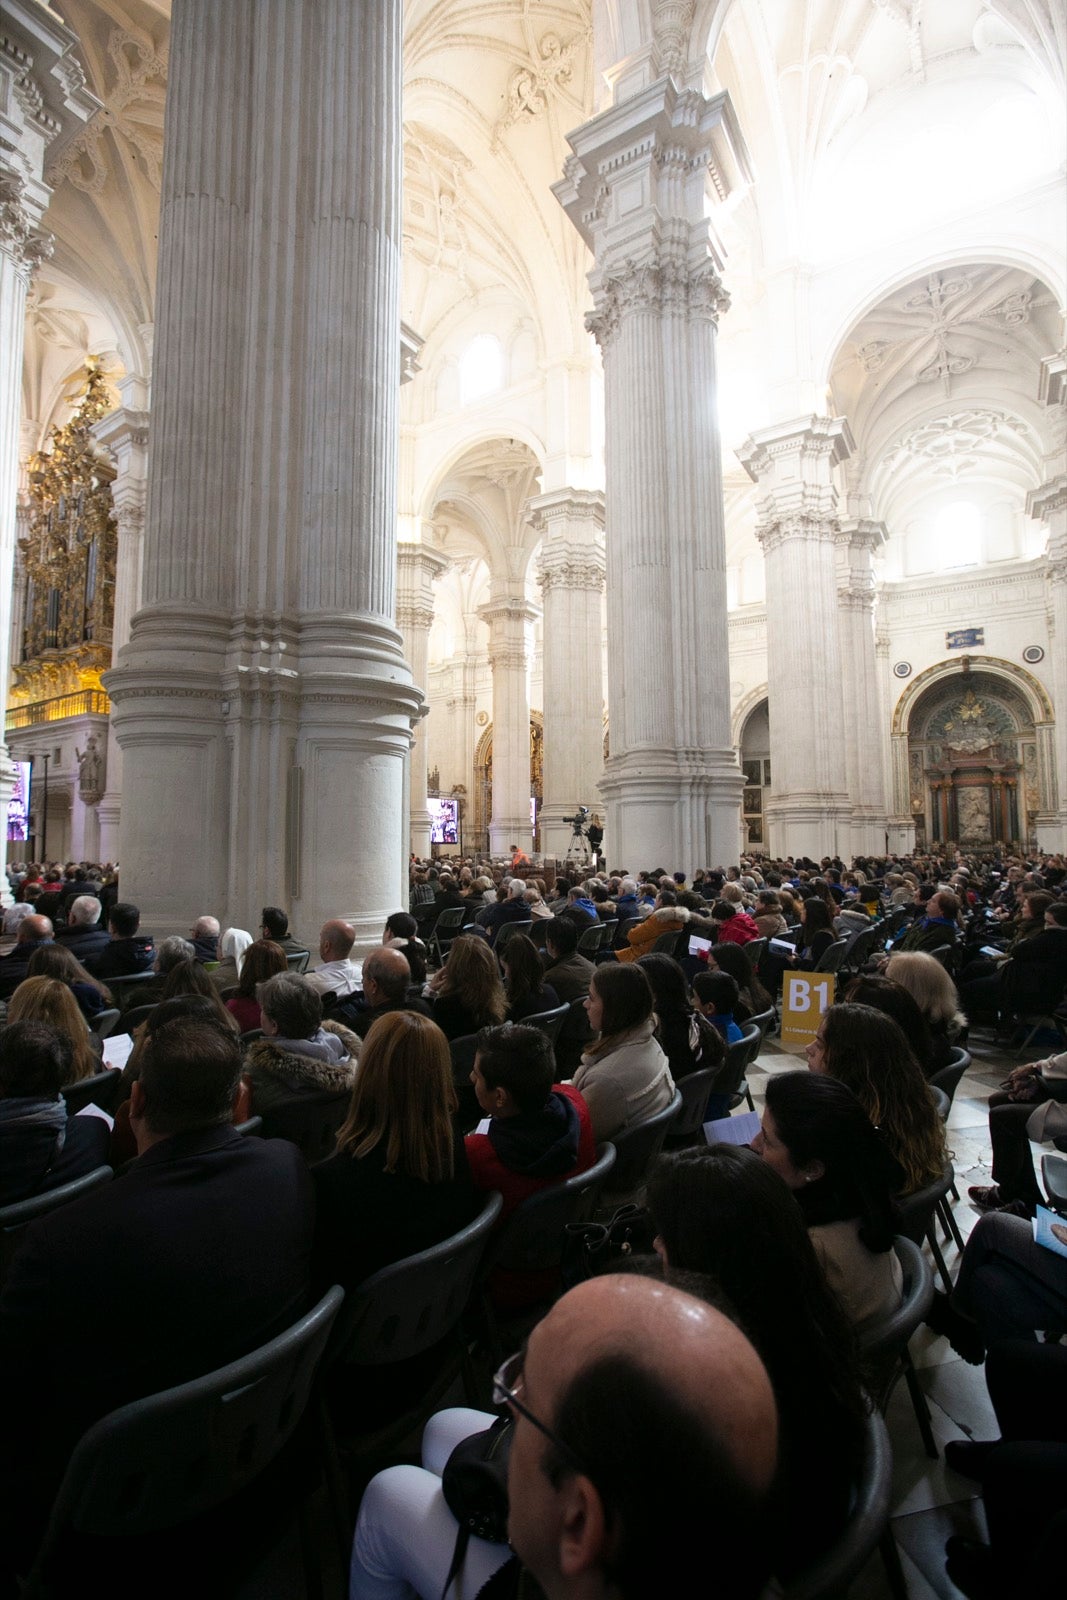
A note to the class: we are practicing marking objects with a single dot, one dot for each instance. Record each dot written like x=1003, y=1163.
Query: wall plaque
x=964, y=638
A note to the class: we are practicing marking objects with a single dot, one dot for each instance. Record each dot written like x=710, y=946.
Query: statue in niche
x=90, y=771
x=972, y=811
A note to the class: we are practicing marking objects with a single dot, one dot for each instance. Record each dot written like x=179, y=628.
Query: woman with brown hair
x=467, y=993
x=867, y=1051
x=398, y=1181
x=261, y=961
x=54, y=961
x=623, y=1077
x=50, y=1000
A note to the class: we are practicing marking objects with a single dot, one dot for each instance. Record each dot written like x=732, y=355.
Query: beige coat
x=626, y=1085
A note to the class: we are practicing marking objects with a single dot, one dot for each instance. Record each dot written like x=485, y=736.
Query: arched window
x=958, y=535
x=481, y=369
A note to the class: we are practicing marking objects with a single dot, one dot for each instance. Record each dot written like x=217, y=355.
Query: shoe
x=968, y=1457
x=987, y=1198
x=970, y=1566
x=1018, y=1208
x=961, y=1333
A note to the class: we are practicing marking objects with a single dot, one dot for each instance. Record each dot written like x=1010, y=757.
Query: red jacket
x=740, y=929
x=512, y=1291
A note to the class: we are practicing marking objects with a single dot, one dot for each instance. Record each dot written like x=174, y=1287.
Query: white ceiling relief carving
x=133, y=113
x=953, y=443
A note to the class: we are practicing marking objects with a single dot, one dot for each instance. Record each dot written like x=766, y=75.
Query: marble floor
x=929, y=1501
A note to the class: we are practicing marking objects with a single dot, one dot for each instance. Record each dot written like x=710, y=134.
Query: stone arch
x=974, y=755
x=744, y=709
x=483, y=779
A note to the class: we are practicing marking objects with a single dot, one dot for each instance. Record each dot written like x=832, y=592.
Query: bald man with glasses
x=644, y=1444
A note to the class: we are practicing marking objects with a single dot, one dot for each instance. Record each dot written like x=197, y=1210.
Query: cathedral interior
x=727, y=488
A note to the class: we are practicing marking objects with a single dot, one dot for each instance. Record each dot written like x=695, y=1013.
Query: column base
x=901, y=832
x=810, y=825
x=868, y=833
x=1051, y=830
x=675, y=809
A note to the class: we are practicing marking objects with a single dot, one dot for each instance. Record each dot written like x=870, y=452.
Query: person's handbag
x=592, y=1248
x=475, y=1487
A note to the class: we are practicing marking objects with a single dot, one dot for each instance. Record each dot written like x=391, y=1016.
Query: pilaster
x=509, y=617
x=418, y=566
x=794, y=463
x=858, y=541
x=571, y=575
x=643, y=177
x=1049, y=505
x=43, y=102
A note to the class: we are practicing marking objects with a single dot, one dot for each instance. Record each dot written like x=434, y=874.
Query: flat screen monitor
x=444, y=821
x=18, y=807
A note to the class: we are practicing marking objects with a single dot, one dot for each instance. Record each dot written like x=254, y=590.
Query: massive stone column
x=43, y=102
x=418, y=567
x=857, y=543
x=809, y=813
x=571, y=574
x=508, y=616
x=263, y=703
x=639, y=187
x=1049, y=504
x=124, y=432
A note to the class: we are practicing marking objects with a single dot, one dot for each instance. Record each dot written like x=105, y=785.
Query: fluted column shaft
x=508, y=617
x=1049, y=503
x=809, y=810
x=864, y=760
x=571, y=574
x=264, y=680
x=417, y=569
x=637, y=188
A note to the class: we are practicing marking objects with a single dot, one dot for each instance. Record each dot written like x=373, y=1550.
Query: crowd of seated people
x=839, y=1145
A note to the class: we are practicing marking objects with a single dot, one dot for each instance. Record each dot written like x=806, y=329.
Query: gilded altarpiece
x=972, y=764
x=68, y=564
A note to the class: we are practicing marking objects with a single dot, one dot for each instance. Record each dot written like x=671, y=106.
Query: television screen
x=18, y=807
x=444, y=821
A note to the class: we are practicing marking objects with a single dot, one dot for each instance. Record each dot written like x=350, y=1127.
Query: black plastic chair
x=297, y=960
x=20, y=1213
x=463, y=1052
x=532, y=1238
x=755, y=950
x=573, y=1037
x=867, y=1528
x=549, y=1022
x=401, y=1312
x=832, y=956
x=920, y=1213
x=941, y=1101
x=763, y=1020
x=104, y=1021
x=694, y=1089
x=446, y=929
x=638, y=1146
x=948, y=1078
x=739, y=1057
x=508, y=931
x=164, y=1460
x=667, y=943
x=310, y=1122
x=884, y=1343
x=134, y=1017
x=102, y=1090
x=590, y=940
x=1054, y=1177
x=124, y=989
x=250, y=1127
x=250, y=1036
x=861, y=947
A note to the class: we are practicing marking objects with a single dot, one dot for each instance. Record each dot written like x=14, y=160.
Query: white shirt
x=336, y=977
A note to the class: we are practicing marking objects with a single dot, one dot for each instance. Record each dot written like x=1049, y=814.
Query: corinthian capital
x=20, y=237
x=665, y=284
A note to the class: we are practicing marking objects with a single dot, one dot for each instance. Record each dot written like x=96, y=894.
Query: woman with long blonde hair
x=49, y=1000
x=934, y=992
x=398, y=1181
x=467, y=993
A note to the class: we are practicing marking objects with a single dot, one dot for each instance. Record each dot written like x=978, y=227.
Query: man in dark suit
x=83, y=936
x=199, y=1254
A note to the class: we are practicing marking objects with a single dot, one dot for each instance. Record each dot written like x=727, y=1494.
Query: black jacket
x=197, y=1255
x=32, y=1160
x=121, y=958
x=15, y=965
x=1036, y=975
x=84, y=942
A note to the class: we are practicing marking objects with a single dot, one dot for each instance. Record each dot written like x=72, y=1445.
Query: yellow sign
x=805, y=996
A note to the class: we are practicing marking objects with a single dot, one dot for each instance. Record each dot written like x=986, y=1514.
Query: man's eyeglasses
x=507, y=1388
